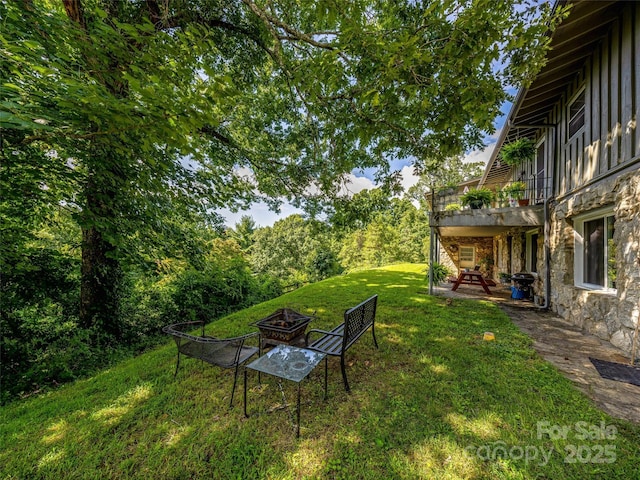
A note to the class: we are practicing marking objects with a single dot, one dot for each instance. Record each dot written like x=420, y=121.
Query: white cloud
x=409, y=179
x=480, y=155
x=485, y=154
x=355, y=184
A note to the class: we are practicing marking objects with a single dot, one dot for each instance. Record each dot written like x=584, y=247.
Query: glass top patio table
x=288, y=362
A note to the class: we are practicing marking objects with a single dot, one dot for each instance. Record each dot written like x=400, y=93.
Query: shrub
x=440, y=272
x=43, y=346
x=504, y=277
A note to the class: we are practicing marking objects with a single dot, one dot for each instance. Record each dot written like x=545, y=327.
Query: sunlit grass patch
x=422, y=405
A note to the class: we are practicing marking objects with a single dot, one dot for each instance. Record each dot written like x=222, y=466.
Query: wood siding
x=609, y=139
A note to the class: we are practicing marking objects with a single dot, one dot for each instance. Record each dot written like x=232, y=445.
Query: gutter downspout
x=547, y=256
x=547, y=226
x=431, y=243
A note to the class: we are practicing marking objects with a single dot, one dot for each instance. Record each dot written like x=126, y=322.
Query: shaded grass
x=433, y=402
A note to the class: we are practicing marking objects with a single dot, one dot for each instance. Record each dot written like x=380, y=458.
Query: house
x=580, y=234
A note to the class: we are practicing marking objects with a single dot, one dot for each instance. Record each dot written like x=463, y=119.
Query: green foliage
x=294, y=250
x=612, y=269
x=372, y=246
x=504, y=277
x=359, y=210
x=517, y=152
x=515, y=190
x=323, y=263
x=243, y=232
x=439, y=271
x=413, y=230
x=440, y=176
x=38, y=308
x=382, y=230
x=215, y=291
x=477, y=198
x=502, y=196
x=452, y=207
x=43, y=343
x=136, y=114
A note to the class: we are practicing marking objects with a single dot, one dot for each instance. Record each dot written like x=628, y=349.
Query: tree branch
x=163, y=22
x=295, y=34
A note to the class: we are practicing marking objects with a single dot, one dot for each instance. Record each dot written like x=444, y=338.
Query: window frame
x=532, y=237
x=580, y=94
x=469, y=264
x=579, y=249
x=540, y=170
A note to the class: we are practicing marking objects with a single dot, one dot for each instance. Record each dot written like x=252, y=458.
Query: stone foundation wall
x=484, y=250
x=518, y=257
x=610, y=316
x=447, y=261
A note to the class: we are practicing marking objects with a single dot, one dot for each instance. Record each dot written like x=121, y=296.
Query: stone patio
x=566, y=347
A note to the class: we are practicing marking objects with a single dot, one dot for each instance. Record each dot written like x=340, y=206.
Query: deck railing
x=536, y=191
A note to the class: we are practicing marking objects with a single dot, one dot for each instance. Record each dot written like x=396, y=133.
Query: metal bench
x=222, y=352
x=336, y=342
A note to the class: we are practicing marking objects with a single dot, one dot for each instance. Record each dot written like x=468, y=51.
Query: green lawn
x=435, y=401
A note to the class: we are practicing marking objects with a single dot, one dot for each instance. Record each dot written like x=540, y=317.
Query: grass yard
x=435, y=401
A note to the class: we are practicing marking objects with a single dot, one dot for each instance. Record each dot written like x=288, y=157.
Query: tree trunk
x=101, y=275
x=100, y=285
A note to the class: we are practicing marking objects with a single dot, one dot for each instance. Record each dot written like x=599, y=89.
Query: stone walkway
x=566, y=347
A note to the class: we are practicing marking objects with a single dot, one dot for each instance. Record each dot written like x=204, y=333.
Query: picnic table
x=471, y=278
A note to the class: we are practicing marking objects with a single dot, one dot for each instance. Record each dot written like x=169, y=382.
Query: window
x=540, y=180
x=467, y=256
x=576, y=114
x=595, y=265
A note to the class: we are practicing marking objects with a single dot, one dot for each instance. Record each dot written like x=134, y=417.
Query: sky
x=360, y=180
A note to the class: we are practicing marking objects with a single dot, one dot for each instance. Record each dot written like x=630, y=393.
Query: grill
x=283, y=326
x=522, y=282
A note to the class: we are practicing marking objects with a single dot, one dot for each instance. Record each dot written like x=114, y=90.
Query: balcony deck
x=486, y=221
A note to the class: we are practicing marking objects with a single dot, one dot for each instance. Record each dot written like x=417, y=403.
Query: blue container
x=517, y=293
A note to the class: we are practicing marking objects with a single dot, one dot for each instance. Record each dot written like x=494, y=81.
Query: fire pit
x=283, y=326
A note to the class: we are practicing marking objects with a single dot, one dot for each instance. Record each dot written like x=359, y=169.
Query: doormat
x=617, y=371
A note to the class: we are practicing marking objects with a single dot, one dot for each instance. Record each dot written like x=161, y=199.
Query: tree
x=153, y=106
x=372, y=246
x=243, y=232
x=450, y=172
x=294, y=250
x=357, y=211
x=413, y=231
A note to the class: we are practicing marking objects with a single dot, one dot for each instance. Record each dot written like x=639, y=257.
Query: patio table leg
x=298, y=413
x=245, y=393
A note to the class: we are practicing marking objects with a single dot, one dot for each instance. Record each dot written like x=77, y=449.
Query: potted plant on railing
x=477, y=198
x=517, y=152
x=502, y=198
x=515, y=191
